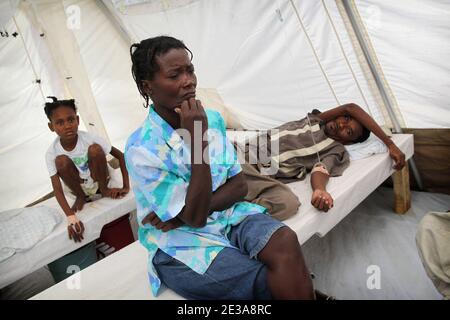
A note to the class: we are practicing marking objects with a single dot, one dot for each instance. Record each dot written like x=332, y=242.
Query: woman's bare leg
x=287, y=276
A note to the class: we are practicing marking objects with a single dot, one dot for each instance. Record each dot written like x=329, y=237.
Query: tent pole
x=370, y=61
x=108, y=11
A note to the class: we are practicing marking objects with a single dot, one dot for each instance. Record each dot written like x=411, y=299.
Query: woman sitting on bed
x=203, y=240
x=313, y=144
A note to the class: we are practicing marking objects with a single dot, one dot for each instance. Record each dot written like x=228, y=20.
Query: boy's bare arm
x=320, y=199
x=116, y=153
x=366, y=120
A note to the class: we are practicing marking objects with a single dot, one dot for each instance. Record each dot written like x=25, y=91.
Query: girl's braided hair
x=51, y=106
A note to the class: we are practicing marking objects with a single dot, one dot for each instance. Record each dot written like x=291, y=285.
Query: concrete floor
x=373, y=240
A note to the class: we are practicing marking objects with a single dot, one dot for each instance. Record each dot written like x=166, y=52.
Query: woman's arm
x=198, y=197
x=234, y=190
x=199, y=193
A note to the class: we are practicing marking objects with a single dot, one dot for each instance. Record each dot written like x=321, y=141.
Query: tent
x=260, y=63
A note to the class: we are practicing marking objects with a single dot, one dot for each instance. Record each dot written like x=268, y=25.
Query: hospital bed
x=123, y=275
x=57, y=244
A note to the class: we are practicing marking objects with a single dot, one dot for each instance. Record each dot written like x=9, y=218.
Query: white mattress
x=123, y=275
x=57, y=244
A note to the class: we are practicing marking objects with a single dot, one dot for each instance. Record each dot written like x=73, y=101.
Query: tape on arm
x=320, y=167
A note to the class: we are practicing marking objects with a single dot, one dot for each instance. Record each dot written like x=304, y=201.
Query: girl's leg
x=287, y=276
x=69, y=174
x=98, y=168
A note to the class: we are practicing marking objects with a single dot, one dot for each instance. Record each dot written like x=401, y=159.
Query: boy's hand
x=398, y=156
x=171, y=224
x=75, y=228
x=322, y=200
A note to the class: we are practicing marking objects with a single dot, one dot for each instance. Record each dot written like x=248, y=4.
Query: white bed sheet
x=57, y=244
x=123, y=275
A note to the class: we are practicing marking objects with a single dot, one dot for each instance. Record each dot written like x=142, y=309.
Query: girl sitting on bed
x=203, y=240
x=78, y=158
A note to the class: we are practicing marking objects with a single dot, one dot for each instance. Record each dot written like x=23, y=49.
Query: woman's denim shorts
x=234, y=274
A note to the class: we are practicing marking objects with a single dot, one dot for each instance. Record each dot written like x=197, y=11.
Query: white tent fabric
x=107, y=61
x=24, y=135
x=266, y=67
x=50, y=16
x=7, y=11
x=410, y=38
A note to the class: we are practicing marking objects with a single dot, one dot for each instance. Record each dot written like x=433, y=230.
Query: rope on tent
x=38, y=80
x=314, y=51
x=346, y=58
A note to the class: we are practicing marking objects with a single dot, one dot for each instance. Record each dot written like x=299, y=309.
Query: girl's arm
x=116, y=153
x=75, y=227
x=59, y=195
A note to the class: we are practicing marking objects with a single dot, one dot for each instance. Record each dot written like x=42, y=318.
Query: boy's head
x=346, y=130
x=63, y=117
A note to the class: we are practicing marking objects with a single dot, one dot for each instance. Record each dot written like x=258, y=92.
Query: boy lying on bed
x=313, y=144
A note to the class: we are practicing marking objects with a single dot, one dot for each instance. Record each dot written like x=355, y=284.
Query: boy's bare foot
x=78, y=204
